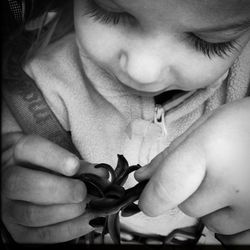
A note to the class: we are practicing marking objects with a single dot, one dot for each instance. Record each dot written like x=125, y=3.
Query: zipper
x=159, y=118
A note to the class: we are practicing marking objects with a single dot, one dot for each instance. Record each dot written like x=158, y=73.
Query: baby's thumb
x=177, y=176
x=92, y=168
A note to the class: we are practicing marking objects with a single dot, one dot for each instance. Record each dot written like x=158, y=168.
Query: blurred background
x=9, y=22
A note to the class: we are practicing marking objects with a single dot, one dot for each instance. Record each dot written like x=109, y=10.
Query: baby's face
x=152, y=46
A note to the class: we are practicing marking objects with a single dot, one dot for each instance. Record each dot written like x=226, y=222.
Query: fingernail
x=71, y=165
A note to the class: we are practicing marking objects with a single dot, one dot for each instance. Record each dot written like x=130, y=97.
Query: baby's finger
x=57, y=233
x=31, y=215
x=7, y=142
x=40, y=187
x=177, y=177
x=9, y=139
x=39, y=151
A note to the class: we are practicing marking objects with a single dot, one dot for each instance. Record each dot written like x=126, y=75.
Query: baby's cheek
x=101, y=43
x=202, y=71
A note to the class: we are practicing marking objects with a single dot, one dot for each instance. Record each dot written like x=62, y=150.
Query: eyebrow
x=240, y=26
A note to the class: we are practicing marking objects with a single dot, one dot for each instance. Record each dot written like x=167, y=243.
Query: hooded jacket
x=105, y=119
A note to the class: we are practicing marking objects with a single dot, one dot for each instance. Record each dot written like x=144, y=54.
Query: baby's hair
x=45, y=22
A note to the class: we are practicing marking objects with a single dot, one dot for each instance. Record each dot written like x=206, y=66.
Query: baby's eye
x=209, y=49
x=105, y=16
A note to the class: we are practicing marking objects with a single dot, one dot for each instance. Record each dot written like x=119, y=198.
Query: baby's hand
x=206, y=172
x=41, y=204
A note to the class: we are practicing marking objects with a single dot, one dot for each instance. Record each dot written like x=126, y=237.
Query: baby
x=164, y=83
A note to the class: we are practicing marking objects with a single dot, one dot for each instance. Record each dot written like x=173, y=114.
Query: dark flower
x=111, y=197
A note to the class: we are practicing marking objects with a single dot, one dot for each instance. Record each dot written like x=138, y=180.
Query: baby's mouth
x=161, y=96
x=169, y=96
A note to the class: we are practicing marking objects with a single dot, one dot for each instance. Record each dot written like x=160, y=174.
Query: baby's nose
x=142, y=67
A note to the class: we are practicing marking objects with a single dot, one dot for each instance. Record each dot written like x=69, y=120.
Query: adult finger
x=177, y=177
x=147, y=171
x=242, y=238
x=56, y=233
x=28, y=214
x=39, y=151
x=227, y=221
x=211, y=196
x=40, y=187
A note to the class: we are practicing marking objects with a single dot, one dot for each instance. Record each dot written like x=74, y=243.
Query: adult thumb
x=177, y=177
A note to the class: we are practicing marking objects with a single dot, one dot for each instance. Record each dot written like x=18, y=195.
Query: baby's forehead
x=220, y=9
x=217, y=6
x=196, y=10
x=225, y=6
x=206, y=4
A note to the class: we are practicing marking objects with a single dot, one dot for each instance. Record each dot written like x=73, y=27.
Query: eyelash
x=212, y=49
x=108, y=17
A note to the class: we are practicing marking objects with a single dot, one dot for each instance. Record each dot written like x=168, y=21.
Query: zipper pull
x=159, y=118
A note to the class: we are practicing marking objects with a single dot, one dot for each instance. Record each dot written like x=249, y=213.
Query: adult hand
x=206, y=172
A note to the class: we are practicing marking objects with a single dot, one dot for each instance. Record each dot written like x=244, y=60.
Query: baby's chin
x=144, y=93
